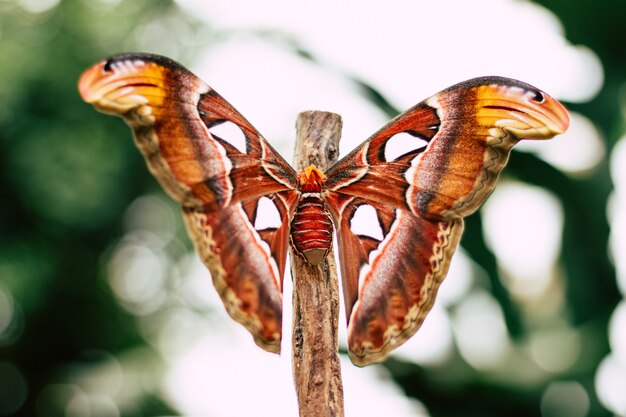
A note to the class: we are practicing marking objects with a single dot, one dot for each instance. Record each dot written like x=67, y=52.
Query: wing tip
x=271, y=346
x=264, y=326
x=369, y=358
x=266, y=334
x=112, y=76
x=547, y=115
x=364, y=352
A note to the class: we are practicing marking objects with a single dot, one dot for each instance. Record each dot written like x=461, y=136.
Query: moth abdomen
x=311, y=229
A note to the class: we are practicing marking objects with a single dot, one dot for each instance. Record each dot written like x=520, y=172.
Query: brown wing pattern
x=172, y=112
x=469, y=128
x=416, y=198
x=389, y=283
x=247, y=266
x=467, y=132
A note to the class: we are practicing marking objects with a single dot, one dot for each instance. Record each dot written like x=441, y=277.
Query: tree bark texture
x=316, y=366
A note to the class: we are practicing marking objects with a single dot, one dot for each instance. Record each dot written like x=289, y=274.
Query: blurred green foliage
x=66, y=183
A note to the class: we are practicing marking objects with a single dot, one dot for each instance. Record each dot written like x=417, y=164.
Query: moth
x=454, y=143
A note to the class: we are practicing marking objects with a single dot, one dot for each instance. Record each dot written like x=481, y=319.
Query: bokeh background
x=105, y=310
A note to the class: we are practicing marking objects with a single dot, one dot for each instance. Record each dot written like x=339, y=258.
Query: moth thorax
x=311, y=229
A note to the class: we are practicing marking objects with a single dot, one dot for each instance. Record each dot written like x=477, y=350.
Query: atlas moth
x=224, y=173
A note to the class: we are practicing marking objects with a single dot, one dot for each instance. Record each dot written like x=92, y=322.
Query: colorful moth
x=455, y=145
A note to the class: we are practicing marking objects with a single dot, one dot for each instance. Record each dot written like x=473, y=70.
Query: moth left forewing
x=481, y=120
x=392, y=264
x=173, y=115
x=468, y=131
x=257, y=168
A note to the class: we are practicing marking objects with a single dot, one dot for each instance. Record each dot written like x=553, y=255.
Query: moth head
x=311, y=179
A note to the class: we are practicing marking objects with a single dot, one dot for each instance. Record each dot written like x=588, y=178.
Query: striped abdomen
x=311, y=228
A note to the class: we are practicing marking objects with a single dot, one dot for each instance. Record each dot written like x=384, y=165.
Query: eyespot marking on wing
x=267, y=215
x=364, y=222
x=231, y=133
x=401, y=144
x=536, y=95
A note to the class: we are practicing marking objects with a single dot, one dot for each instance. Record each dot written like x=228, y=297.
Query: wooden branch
x=316, y=366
